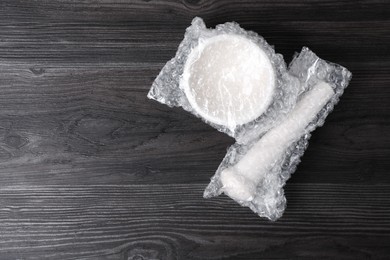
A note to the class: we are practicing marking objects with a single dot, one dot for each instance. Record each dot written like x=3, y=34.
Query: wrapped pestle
x=240, y=181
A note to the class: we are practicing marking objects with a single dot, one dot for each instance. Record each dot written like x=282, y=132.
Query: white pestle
x=228, y=80
x=240, y=180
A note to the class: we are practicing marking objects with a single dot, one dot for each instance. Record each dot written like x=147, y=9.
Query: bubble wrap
x=269, y=142
x=168, y=86
x=265, y=195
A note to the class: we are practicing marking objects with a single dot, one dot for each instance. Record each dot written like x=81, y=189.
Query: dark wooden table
x=92, y=169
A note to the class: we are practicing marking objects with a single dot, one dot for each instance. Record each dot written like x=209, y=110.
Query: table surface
x=92, y=169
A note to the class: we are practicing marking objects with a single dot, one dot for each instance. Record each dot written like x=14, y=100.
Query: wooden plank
x=173, y=221
x=68, y=32
x=122, y=43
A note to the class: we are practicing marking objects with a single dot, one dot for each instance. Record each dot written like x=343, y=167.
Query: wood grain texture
x=92, y=169
x=170, y=222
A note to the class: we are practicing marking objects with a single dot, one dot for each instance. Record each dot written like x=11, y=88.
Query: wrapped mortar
x=229, y=77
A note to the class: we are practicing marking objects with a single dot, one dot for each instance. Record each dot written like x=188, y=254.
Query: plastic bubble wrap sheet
x=234, y=80
x=254, y=173
x=229, y=100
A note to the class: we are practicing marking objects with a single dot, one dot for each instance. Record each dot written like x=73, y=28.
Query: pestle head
x=237, y=186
